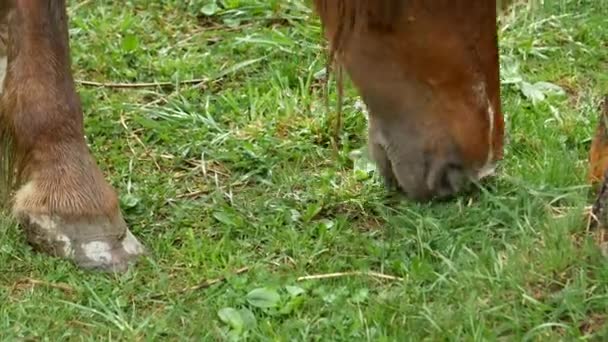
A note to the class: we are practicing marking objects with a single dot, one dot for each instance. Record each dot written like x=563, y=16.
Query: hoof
x=97, y=243
x=92, y=237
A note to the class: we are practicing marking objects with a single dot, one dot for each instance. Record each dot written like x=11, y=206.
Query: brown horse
x=427, y=70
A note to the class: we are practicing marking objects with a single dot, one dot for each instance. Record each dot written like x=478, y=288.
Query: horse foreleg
x=62, y=202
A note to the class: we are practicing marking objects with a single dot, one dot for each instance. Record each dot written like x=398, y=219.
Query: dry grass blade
x=372, y=274
x=76, y=7
x=210, y=282
x=35, y=282
x=204, y=284
x=142, y=84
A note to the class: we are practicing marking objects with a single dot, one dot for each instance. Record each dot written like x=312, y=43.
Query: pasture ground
x=238, y=172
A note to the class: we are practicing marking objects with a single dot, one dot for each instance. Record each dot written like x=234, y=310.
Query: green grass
x=239, y=172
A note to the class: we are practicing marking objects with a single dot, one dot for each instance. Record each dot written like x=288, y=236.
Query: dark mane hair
x=347, y=17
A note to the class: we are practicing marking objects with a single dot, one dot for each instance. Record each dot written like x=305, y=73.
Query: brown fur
x=42, y=124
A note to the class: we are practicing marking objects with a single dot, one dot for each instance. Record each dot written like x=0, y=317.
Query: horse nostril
x=446, y=178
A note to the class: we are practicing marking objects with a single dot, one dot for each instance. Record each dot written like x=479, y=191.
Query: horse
x=428, y=71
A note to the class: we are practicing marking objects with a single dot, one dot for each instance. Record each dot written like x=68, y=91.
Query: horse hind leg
x=62, y=202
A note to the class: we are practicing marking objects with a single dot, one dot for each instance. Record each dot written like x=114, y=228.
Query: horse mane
x=351, y=16
x=346, y=17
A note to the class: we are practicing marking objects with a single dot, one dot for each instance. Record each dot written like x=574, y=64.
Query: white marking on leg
x=489, y=166
x=44, y=222
x=487, y=170
x=491, y=115
x=97, y=251
x=67, y=245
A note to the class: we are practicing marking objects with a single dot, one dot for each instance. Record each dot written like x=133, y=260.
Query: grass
x=239, y=172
